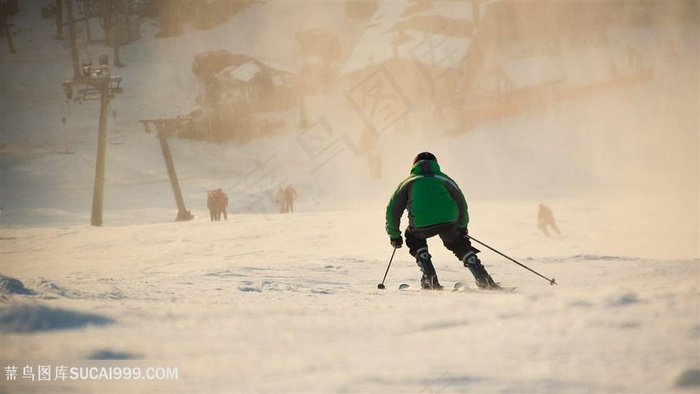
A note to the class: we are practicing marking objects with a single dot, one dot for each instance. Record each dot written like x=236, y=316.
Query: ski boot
x=483, y=279
x=429, y=280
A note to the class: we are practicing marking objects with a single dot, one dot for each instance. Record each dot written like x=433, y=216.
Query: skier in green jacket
x=436, y=206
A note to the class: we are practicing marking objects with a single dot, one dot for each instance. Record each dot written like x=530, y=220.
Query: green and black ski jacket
x=431, y=198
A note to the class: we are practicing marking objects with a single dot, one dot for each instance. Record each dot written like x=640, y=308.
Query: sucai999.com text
x=61, y=373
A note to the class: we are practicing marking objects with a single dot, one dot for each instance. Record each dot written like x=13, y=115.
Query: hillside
x=269, y=302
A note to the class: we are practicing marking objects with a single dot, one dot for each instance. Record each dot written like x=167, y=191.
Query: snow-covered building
x=458, y=55
x=419, y=46
x=239, y=90
x=260, y=85
x=238, y=79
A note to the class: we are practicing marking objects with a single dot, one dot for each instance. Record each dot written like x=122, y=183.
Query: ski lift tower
x=96, y=83
x=164, y=128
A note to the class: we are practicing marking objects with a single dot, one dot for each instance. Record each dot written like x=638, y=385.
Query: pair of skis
x=459, y=286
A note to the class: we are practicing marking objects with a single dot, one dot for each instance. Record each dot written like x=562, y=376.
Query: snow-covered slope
x=266, y=302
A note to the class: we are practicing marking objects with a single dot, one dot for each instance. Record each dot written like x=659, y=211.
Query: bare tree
x=59, y=19
x=6, y=9
x=73, y=40
x=113, y=14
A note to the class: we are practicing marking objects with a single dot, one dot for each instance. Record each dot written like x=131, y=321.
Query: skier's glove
x=464, y=232
x=397, y=242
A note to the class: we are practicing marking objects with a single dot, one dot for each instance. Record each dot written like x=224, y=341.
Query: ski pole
x=381, y=285
x=551, y=281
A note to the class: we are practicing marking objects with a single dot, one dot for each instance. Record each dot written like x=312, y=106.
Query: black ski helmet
x=425, y=156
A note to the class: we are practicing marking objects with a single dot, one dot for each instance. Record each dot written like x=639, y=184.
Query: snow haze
x=270, y=302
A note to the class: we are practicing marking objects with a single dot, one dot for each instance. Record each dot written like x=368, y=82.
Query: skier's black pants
x=453, y=239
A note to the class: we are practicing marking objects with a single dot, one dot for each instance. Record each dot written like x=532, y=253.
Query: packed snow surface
x=270, y=302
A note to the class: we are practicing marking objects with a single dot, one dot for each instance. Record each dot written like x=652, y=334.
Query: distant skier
x=545, y=218
x=217, y=201
x=436, y=206
x=290, y=195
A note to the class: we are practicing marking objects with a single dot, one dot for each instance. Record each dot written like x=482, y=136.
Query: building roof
x=244, y=72
x=434, y=33
x=249, y=67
